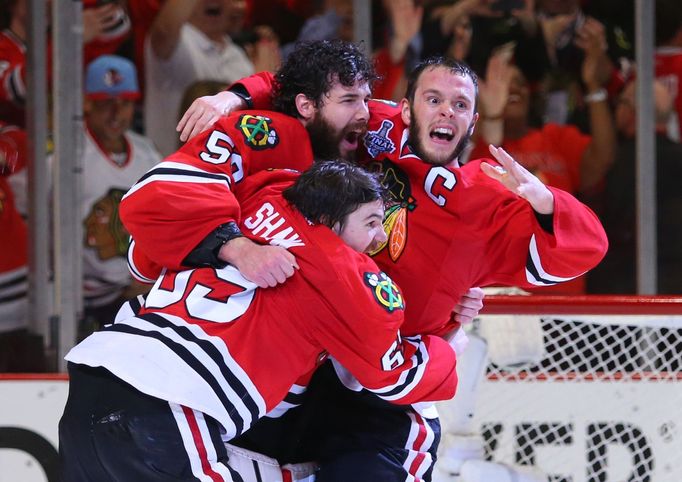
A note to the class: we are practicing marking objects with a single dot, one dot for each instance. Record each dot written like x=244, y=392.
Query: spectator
x=617, y=273
x=565, y=28
x=187, y=42
x=113, y=159
x=13, y=56
x=669, y=58
x=20, y=351
x=560, y=156
x=491, y=25
x=105, y=26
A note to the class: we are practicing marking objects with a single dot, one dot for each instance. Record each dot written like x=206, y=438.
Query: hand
x=267, y=266
x=596, y=68
x=450, y=15
x=494, y=90
x=264, y=53
x=406, y=20
x=518, y=180
x=526, y=17
x=205, y=111
x=97, y=20
x=469, y=305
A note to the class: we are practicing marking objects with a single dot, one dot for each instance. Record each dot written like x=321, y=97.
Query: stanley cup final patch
x=258, y=131
x=378, y=142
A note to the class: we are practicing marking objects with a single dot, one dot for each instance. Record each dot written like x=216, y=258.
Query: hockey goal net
x=601, y=402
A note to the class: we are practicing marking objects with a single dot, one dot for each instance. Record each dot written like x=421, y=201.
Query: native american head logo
x=104, y=230
x=399, y=204
x=385, y=291
x=258, y=131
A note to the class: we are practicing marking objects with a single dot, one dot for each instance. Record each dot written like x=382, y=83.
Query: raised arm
x=542, y=237
x=164, y=33
x=596, y=69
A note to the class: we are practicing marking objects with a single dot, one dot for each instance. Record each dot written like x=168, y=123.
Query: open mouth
x=213, y=11
x=352, y=138
x=442, y=133
x=513, y=98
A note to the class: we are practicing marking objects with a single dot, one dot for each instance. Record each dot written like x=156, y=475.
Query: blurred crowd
x=557, y=83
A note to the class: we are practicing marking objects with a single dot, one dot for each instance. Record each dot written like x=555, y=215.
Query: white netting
x=603, y=403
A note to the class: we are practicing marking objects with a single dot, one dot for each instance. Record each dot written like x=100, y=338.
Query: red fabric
x=13, y=241
x=390, y=73
x=553, y=153
x=12, y=79
x=170, y=218
x=481, y=235
x=328, y=305
x=142, y=14
x=463, y=229
x=669, y=71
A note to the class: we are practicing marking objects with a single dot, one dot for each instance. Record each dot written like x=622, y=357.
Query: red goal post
x=603, y=399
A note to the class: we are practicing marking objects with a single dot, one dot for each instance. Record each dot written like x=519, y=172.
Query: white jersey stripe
x=404, y=387
x=208, y=362
x=177, y=178
x=216, y=466
x=133, y=268
x=419, y=441
x=543, y=278
x=190, y=440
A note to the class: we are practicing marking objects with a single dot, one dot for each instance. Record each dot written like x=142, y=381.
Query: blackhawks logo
x=385, y=291
x=400, y=203
x=258, y=131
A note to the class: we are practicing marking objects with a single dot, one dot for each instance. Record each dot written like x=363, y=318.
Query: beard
x=414, y=140
x=325, y=140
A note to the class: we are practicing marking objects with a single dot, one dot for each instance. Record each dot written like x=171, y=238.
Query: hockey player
x=329, y=102
x=449, y=228
x=113, y=158
x=153, y=397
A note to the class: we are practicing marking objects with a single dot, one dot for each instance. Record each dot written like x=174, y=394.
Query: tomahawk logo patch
x=258, y=131
x=378, y=142
x=385, y=291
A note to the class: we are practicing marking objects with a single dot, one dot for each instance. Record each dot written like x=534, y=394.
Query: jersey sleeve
x=13, y=148
x=259, y=86
x=363, y=335
x=175, y=205
x=519, y=251
x=184, y=198
x=12, y=77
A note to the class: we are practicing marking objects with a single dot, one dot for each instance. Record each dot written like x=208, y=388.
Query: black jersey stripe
x=190, y=360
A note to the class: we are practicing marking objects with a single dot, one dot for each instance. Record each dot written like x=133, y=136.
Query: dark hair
x=6, y=12
x=313, y=67
x=329, y=191
x=668, y=20
x=453, y=65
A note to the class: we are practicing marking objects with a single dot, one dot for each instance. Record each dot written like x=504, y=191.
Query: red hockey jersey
x=450, y=228
x=14, y=237
x=669, y=71
x=185, y=197
x=12, y=78
x=234, y=351
x=453, y=228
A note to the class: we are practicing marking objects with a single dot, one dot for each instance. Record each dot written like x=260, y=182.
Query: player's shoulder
x=383, y=109
x=262, y=130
